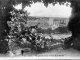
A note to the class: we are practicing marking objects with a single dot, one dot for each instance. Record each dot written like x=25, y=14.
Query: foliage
x=28, y=2
x=45, y=31
x=62, y=30
x=25, y=37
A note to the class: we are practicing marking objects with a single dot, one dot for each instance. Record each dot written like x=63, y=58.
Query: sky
x=38, y=9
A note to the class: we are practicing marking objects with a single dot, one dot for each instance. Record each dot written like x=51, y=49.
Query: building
x=58, y=22
x=49, y=22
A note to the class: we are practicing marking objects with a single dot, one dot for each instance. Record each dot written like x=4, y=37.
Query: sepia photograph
x=40, y=29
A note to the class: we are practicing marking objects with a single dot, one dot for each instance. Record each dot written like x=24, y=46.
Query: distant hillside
x=48, y=22
x=32, y=18
x=37, y=17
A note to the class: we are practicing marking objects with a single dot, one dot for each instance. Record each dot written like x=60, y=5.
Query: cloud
x=38, y=9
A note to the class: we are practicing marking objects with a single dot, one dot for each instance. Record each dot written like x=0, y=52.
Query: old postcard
x=40, y=29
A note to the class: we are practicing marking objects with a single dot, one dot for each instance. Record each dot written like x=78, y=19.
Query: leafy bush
x=21, y=36
x=61, y=30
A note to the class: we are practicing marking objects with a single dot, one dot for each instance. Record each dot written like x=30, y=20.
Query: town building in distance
x=49, y=22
